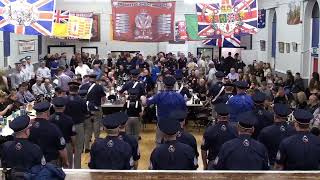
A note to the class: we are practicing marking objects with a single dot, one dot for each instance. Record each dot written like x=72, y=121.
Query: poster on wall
x=95, y=32
x=227, y=18
x=262, y=45
x=26, y=46
x=142, y=21
x=79, y=27
x=293, y=15
x=281, y=47
x=181, y=31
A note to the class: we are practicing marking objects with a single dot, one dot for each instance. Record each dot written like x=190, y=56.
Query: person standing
x=131, y=140
x=242, y=153
x=240, y=102
x=82, y=69
x=111, y=152
x=264, y=117
x=76, y=108
x=133, y=108
x=272, y=135
x=65, y=124
x=63, y=79
x=172, y=155
x=95, y=97
x=134, y=84
x=17, y=77
x=215, y=136
x=302, y=150
x=20, y=154
x=166, y=102
x=48, y=136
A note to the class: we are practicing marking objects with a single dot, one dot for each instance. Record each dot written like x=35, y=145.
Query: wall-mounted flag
x=32, y=17
x=223, y=42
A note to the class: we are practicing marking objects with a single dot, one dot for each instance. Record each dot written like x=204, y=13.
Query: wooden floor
x=147, y=144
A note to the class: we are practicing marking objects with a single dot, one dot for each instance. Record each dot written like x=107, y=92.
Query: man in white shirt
x=211, y=75
x=29, y=67
x=43, y=71
x=24, y=70
x=38, y=88
x=82, y=69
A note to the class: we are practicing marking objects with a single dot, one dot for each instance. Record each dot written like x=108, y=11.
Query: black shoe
x=87, y=151
x=139, y=138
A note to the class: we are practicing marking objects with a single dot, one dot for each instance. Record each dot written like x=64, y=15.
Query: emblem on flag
x=61, y=16
x=32, y=17
x=227, y=18
x=233, y=41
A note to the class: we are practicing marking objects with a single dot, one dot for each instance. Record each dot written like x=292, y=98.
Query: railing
x=85, y=174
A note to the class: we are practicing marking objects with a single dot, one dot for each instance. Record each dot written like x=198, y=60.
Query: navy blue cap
x=282, y=110
x=169, y=126
x=112, y=121
x=259, y=97
x=20, y=123
x=134, y=72
x=82, y=92
x=222, y=109
x=133, y=91
x=247, y=119
x=28, y=57
x=17, y=63
x=241, y=84
x=122, y=117
x=169, y=81
x=178, y=115
x=42, y=106
x=112, y=97
x=302, y=116
x=59, y=101
x=178, y=76
x=73, y=83
x=219, y=74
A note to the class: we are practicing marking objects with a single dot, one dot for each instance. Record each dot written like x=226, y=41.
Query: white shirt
x=211, y=75
x=83, y=70
x=30, y=69
x=43, y=72
x=39, y=90
x=233, y=77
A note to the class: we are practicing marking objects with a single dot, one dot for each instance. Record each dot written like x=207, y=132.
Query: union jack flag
x=61, y=16
x=223, y=42
x=32, y=17
x=227, y=18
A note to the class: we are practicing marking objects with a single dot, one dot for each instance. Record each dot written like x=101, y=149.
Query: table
x=109, y=108
x=6, y=130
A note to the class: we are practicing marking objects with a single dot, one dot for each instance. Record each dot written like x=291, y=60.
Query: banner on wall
x=262, y=18
x=143, y=21
x=192, y=27
x=32, y=17
x=79, y=27
x=26, y=46
x=227, y=18
x=181, y=31
x=72, y=25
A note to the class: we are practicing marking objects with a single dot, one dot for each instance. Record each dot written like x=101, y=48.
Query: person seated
x=201, y=90
x=48, y=86
x=24, y=95
x=3, y=107
x=38, y=88
x=313, y=103
x=233, y=75
x=12, y=101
